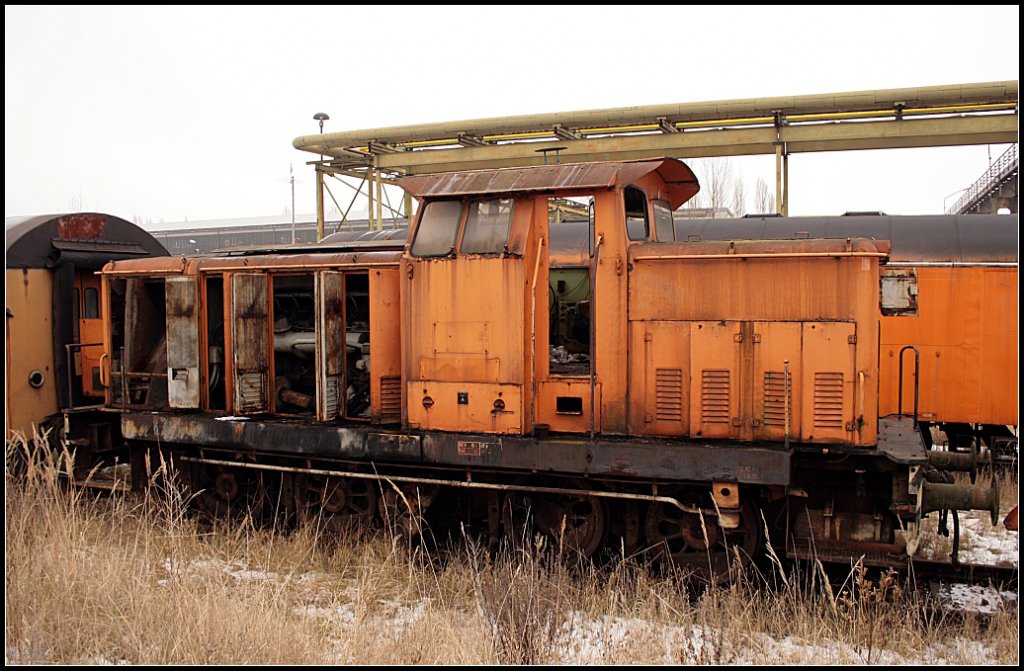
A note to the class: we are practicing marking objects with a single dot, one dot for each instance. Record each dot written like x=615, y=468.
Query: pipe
x=980, y=97
x=533, y=334
x=593, y=327
x=780, y=255
x=463, y=484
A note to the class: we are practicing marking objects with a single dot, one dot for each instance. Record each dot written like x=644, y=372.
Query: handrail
x=593, y=325
x=917, y=379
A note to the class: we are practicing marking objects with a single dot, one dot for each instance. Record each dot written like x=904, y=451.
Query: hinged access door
x=330, y=345
x=250, y=343
x=714, y=375
x=776, y=399
x=183, y=386
x=828, y=381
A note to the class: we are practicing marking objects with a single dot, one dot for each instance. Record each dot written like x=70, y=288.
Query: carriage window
x=438, y=227
x=487, y=225
x=637, y=226
x=663, y=221
x=92, y=303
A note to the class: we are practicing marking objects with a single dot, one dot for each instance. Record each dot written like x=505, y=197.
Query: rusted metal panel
x=660, y=378
x=680, y=180
x=330, y=345
x=898, y=291
x=183, y=381
x=967, y=331
x=661, y=460
x=250, y=346
x=776, y=380
x=564, y=404
x=386, y=345
x=241, y=433
x=715, y=373
x=81, y=226
x=466, y=317
x=394, y=446
x=478, y=407
x=829, y=381
x=307, y=261
x=899, y=438
x=703, y=281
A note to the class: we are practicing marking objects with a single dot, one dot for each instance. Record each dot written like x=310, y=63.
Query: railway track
x=943, y=572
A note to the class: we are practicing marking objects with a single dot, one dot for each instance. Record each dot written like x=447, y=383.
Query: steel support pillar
x=319, y=204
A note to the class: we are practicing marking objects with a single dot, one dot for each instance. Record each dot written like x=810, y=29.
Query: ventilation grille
x=390, y=396
x=714, y=397
x=250, y=392
x=332, y=387
x=828, y=400
x=775, y=398
x=668, y=396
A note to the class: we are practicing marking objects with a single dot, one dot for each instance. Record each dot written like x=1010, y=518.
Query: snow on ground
x=981, y=542
x=586, y=639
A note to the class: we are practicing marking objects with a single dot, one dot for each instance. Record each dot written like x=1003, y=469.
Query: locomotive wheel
x=341, y=503
x=707, y=549
x=229, y=493
x=578, y=524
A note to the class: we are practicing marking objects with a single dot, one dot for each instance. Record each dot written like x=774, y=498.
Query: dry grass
x=102, y=578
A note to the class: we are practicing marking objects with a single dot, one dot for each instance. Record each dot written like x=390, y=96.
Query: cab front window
x=487, y=224
x=439, y=224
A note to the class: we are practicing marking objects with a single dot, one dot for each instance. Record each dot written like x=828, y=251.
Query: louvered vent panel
x=332, y=395
x=250, y=392
x=828, y=400
x=775, y=398
x=714, y=397
x=668, y=394
x=391, y=396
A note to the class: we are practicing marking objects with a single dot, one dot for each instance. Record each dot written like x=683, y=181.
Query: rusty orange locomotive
x=679, y=396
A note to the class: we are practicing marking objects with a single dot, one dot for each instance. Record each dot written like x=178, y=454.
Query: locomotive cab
x=505, y=343
x=701, y=339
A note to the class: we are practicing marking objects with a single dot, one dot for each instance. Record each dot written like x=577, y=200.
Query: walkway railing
x=998, y=172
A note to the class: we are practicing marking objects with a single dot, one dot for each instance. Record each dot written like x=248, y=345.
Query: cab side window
x=92, y=303
x=637, y=222
x=663, y=225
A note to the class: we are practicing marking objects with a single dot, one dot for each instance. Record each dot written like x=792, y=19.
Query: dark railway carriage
x=55, y=320
x=659, y=392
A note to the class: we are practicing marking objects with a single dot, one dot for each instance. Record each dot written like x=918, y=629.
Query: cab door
x=464, y=313
x=88, y=334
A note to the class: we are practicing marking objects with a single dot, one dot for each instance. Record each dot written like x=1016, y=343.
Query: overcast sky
x=166, y=114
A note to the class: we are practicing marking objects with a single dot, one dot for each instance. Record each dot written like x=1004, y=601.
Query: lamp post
x=946, y=199
x=321, y=117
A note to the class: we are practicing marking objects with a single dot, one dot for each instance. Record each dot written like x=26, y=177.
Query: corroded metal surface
x=681, y=181
x=675, y=460
x=900, y=440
